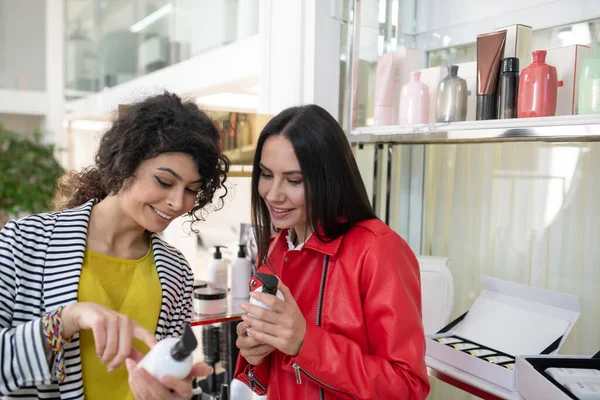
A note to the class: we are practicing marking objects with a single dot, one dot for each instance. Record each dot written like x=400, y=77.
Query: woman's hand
x=284, y=328
x=113, y=332
x=250, y=348
x=146, y=387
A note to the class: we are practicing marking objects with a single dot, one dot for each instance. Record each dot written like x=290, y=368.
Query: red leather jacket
x=361, y=297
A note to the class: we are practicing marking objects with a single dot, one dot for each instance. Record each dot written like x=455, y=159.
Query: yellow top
x=130, y=287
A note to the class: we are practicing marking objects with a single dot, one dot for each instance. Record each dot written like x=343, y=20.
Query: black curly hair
x=159, y=124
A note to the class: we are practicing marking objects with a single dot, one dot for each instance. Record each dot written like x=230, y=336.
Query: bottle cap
x=217, y=254
x=453, y=70
x=269, y=283
x=241, y=251
x=209, y=293
x=186, y=345
x=199, y=284
x=510, y=64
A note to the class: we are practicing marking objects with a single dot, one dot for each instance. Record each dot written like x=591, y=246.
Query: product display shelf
x=241, y=155
x=580, y=128
x=234, y=313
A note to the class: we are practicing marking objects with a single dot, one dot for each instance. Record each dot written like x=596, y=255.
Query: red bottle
x=538, y=88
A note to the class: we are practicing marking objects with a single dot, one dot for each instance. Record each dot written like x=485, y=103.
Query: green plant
x=28, y=174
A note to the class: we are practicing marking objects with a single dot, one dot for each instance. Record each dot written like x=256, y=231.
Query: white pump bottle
x=171, y=356
x=241, y=272
x=217, y=270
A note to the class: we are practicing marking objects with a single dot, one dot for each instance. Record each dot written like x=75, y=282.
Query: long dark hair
x=159, y=124
x=335, y=194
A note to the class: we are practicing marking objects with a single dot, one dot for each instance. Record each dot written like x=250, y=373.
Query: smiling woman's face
x=162, y=189
x=281, y=186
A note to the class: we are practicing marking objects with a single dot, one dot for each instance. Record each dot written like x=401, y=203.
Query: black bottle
x=509, y=88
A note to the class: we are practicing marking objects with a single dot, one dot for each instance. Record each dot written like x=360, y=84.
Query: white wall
x=22, y=46
x=83, y=145
x=299, y=56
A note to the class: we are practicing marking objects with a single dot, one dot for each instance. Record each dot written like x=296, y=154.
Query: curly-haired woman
x=82, y=289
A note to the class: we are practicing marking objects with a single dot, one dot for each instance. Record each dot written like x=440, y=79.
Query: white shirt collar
x=290, y=242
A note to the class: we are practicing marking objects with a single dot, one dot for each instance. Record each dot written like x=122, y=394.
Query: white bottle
x=217, y=269
x=269, y=286
x=171, y=356
x=241, y=272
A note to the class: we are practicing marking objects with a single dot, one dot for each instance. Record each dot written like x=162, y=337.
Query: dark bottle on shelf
x=509, y=89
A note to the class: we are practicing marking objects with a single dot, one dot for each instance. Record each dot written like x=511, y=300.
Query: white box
x=511, y=318
x=533, y=385
x=432, y=77
x=568, y=61
x=518, y=43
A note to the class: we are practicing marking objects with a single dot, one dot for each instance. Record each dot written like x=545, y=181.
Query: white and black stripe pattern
x=40, y=265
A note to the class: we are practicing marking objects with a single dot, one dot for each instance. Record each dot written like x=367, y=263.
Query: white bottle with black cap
x=241, y=272
x=217, y=269
x=171, y=356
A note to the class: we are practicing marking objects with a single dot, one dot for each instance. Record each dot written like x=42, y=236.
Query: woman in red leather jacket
x=350, y=325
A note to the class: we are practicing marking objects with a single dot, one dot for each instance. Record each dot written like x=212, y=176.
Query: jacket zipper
x=298, y=369
x=319, y=309
x=255, y=382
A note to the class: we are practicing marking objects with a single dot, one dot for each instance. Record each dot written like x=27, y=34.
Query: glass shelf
x=572, y=128
x=234, y=313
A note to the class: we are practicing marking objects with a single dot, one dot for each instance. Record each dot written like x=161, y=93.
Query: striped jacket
x=40, y=265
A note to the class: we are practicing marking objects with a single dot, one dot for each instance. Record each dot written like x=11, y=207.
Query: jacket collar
x=329, y=247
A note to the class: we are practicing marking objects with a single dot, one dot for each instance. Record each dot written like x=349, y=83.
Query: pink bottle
x=538, y=88
x=414, y=101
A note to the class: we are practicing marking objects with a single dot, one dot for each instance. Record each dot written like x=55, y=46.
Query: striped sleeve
x=189, y=288
x=23, y=360
x=184, y=310
x=183, y=313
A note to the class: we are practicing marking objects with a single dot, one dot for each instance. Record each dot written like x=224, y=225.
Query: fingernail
x=110, y=369
x=249, y=331
x=244, y=306
x=252, y=294
x=244, y=317
x=129, y=364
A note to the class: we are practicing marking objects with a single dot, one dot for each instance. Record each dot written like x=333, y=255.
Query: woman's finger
x=274, y=302
x=112, y=337
x=143, y=334
x=265, y=338
x=246, y=342
x=125, y=342
x=260, y=313
x=136, y=355
x=200, y=370
x=181, y=387
x=138, y=388
x=99, y=333
x=287, y=294
x=260, y=350
x=262, y=326
x=152, y=389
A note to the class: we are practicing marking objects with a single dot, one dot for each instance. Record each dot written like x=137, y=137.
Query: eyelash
x=292, y=182
x=166, y=186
